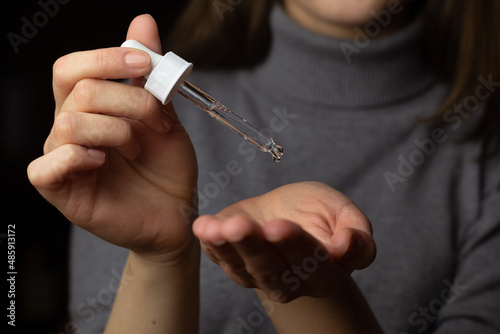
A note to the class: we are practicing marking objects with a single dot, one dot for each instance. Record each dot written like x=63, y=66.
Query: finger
x=110, y=63
x=93, y=130
x=143, y=29
x=49, y=172
x=293, y=241
x=262, y=261
x=349, y=215
x=352, y=243
x=313, y=271
x=353, y=248
x=117, y=99
x=208, y=230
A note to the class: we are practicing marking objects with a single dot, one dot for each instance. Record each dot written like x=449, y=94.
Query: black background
x=26, y=111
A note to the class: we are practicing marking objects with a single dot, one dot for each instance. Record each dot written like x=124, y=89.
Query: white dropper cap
x=167, y=73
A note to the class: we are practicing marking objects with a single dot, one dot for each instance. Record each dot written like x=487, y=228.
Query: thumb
x=353, y=248
x=144, y=30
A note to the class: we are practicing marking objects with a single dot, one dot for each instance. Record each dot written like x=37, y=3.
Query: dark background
x=26, y=115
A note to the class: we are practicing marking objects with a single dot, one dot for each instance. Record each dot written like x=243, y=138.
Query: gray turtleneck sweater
x=346, y=115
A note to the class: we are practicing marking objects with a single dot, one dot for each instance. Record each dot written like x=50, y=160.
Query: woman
x=341, y=86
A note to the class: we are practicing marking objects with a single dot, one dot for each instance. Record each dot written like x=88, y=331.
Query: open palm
x=299, y=239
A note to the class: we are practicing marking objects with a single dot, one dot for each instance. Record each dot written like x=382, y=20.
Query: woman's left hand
x=302, y=239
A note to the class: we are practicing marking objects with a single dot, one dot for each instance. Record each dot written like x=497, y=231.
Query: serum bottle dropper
x=168, y=76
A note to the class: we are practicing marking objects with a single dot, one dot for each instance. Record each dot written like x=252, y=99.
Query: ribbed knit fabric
x=347, y=119
x=337, y=73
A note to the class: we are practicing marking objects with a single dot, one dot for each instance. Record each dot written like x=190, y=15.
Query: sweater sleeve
x=472, y=301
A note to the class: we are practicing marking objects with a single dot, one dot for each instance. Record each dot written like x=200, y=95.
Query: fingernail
x=137, y=59
x=235, y=238
x=218, y=243
x=96, y=154
x=352, y=249
x=272, y=236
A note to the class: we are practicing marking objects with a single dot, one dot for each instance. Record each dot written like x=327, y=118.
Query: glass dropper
x=224, y=115
x=168, y=76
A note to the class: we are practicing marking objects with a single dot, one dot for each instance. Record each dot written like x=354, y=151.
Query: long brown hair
x=222, y=34
x=463, y=39
x=463, y=44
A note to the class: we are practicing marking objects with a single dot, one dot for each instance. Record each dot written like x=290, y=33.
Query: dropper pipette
x=168, y=76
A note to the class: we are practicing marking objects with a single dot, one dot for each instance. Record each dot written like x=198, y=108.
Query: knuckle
x=33, y=173
x=64, y=125
x=97, y=136
x=100, y=60
x=72, y=156
x=125, y=131
x=141, y=100
x=85, y=93
x=59, y=70
x=114, y=131
x=47, y=146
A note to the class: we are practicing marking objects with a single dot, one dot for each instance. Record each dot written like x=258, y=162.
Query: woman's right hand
x=117, y=162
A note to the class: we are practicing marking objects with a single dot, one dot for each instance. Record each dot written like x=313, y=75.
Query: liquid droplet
x=277, y=152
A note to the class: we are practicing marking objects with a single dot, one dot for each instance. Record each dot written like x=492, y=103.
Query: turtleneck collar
x=322, y=70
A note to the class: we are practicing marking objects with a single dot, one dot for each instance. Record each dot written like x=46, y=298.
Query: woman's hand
x=117, y=162
x=301, y=239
